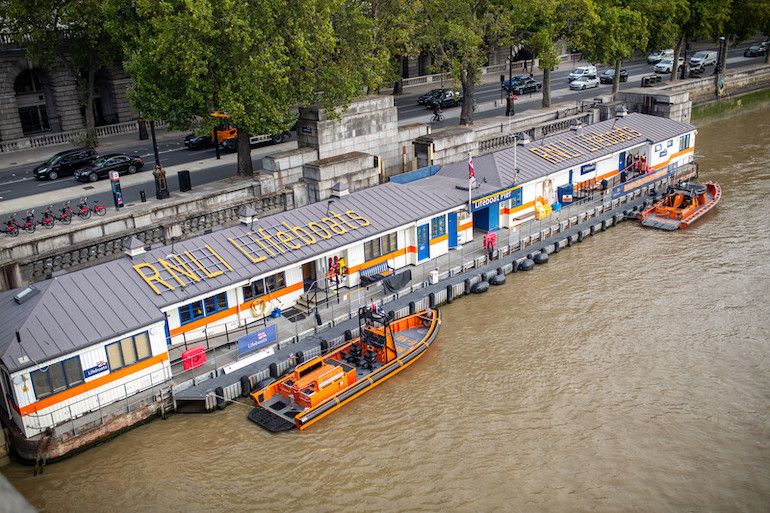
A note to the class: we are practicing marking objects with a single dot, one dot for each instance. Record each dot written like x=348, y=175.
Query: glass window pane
x=222, y=301
x=184, y=314
x=115, y=356
x=280, y=280
x=211, y=304
x=128, y=350
x=142, y=343
x=73, y=371
x=56, y=373
x=40, y=384
x=248, y=292
x=259, y=287
x=197, y=309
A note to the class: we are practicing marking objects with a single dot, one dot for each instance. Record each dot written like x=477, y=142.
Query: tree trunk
x=616, y=78
x=675, y=64
x=398, y=87
x=547, y=87
x=723, y=57
x=91, y=139
x=468, y=81
x=245, y=166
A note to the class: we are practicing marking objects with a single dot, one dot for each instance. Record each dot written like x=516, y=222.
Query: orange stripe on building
x=440, y=238
x=199, y=323
x=466, y=226
x=375, y=261
x=91, y=385
x=675, y=155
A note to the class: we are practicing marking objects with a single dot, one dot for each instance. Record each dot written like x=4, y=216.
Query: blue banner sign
x=496, y=197
x=587, y=168
x=98, y=369
x=257, y=340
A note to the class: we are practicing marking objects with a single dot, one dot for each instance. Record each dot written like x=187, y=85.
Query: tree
x=555, y=22
x=73, y=32
x=618, y=32
x=253, y=60
x=699, y=19
x=747, y=18
x=462, y=34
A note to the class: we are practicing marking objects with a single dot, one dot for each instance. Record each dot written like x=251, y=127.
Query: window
x=389, y=243
x=128, y=351
x=372, y=249
x=200, y=309
x=438, y=227
x=57, y=377
x=264, y=286
x=684, y=142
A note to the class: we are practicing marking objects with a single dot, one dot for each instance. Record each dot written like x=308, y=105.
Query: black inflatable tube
x=580, y=236
x=220, y=393
x=245, y=386
x=604, y=225
x=569, y=241
x=449, y=293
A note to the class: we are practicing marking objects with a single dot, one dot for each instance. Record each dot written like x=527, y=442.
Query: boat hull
x=272, y=421
x=666, y=215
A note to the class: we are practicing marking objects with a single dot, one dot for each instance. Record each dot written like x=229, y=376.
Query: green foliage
x=617, y=33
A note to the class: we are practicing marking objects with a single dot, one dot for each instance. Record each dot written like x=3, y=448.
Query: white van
x=582, y=71
x=705, y=58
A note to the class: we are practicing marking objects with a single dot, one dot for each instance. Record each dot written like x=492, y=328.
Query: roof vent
x=25, y=294
x=248, y=215
x=339, y=190
x=621, y=112
x=133, y=247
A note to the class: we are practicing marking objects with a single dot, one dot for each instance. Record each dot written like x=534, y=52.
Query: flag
x=471, y=173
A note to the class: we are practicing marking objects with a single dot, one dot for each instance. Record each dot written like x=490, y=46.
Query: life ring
x=261, y=311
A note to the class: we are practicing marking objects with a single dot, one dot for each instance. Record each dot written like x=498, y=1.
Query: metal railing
x=99, y=409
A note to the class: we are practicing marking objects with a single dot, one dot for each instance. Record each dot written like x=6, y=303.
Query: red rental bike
x=48, y=218
x=84, y=209
x=66, y=213
x=30, y=222
x=11, y=227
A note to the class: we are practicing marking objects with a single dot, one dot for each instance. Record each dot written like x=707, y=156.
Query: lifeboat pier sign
x=496, y=197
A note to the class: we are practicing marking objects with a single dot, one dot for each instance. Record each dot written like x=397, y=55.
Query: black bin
x=184, y=180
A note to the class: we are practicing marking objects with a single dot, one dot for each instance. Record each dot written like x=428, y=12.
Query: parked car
x=101, y=167
x=707, y=58
x=522, y=84
x=697, y=69
x=448, y=98
x=609, y=75
x=584, y=82
x=755, y=50
x=650, y=80
x=430, y=95
x=64, y=163
x=582, y=71
x=658, y=55
x=666, y=65
x=198, y=142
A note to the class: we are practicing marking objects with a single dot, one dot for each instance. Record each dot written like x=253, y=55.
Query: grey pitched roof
x=85, y=307
x=498, y=168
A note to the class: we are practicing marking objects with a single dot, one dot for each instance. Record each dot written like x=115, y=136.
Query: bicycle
x=86, y=209
x=65, y=214
x=30, y=222
x=64, y=218
x=437, y=118
x=48, y=218
x=11, y=228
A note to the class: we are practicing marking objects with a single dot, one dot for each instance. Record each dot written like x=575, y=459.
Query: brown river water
x=630, y=373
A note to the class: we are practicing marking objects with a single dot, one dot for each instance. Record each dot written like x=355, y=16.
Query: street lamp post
x=684, y=66
x=718, y=67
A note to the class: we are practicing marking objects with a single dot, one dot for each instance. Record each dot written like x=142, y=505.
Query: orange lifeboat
x=681, y=206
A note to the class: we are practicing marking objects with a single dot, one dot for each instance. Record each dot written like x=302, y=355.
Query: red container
x=194, y=357
x=490, y=240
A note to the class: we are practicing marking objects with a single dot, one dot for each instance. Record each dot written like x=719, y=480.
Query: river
x=630, y=373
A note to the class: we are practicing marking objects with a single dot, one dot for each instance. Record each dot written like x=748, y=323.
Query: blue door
x=423, y=244
x=621, y=161
x=453, y=230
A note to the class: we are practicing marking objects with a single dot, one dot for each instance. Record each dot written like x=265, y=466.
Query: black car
x=447, y=98
x=608, y=76
x=755, y=50
x=429, y=96
x=65, y=163
x=101, y=167
x=198, y=142
x=522, y=85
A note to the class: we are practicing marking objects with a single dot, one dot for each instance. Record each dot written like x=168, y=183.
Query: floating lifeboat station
x=90, y=353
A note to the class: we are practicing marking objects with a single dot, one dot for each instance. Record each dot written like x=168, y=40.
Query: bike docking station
x=117, y=195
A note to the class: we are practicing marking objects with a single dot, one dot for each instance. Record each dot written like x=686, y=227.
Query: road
x=20, y=191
